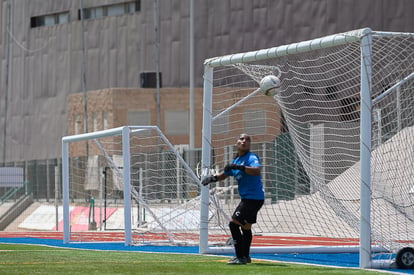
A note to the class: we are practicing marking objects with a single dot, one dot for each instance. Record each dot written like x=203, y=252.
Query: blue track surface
x=341, y=260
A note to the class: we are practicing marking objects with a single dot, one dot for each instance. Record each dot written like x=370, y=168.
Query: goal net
x=336, y=143
x=130, y=180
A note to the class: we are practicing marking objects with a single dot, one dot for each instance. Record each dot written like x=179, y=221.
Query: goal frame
x=125, y=133
x=364, y=37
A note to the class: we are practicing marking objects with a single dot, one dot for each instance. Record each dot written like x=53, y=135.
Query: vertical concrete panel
x=104, y=57
x=308, y=17
x=113, y=63
x=148, y=35
x=62, y=61
x=45, y=65
x=122, y=57
x=94, y=68
x=395, y=15
x=133, y=48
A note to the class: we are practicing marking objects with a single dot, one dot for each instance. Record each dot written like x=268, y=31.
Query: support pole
x=84, y=88
x=191, y=81
x=65, y=191
x=365, y=151
x=6, y=81
x=127, y=185
x=205, y=162
x=57, y=175
x=157, y=63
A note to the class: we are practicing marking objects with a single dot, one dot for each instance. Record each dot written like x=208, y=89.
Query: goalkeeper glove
x=209, y=179
x=233, y=166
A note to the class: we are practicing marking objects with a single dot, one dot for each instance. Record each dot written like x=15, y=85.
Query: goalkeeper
x=245, y=168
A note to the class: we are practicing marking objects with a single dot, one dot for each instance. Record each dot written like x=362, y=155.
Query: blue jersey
x=250, y=187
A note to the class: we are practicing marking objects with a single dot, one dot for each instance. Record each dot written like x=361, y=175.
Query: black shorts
x=246, y=211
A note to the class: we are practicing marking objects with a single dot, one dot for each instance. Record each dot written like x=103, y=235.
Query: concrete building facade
x=48, y=54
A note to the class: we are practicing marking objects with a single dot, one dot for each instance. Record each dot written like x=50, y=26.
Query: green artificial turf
x=34, y=259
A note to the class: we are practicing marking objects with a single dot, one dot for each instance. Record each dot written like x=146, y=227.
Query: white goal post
x=336, y=142
x=129, y=179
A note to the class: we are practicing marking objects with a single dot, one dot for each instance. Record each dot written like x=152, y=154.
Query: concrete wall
x=41, y=67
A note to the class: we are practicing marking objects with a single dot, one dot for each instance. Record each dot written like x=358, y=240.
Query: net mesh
x=165, y=205
x=308, y=139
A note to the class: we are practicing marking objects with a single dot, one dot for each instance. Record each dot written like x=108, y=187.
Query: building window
x=49, y=19
x=93, y=13
x=221, y=124
x=138, y=118
x=176, y=122
x=76, y=124
x=110, y=10
x=254, y=122
x=105, y=120
x=115, y=10
x=63, y=18
x=95, y=121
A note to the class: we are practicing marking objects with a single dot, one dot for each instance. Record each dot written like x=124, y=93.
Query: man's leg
x=247, y=241
x=237, y=239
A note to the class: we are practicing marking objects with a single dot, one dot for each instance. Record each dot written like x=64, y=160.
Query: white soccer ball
x=269, y=85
